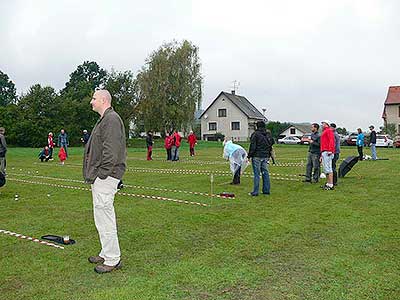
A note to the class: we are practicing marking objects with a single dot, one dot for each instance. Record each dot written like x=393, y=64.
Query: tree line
x=164, y=94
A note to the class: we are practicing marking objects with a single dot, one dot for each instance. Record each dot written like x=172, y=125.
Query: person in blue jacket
x=360, y=144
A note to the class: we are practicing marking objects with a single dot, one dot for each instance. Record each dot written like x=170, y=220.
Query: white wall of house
x=292, y=131
x=224, y=124
x=393, y=115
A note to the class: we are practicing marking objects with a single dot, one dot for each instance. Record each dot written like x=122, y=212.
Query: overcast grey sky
x=303, y=61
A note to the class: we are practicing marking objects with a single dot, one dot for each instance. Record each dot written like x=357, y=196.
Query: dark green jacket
x=105, y=152
x=315, y=145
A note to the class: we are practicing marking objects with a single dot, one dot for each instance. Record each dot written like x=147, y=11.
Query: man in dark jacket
x=314, y=153
x=3, y=151
x=372, y=141
x=104, y=165
x=337, y=153
x=149, y=144
x=85, y=137
x=260, y=151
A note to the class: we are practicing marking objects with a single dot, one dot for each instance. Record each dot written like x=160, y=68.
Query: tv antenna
x=235, y=86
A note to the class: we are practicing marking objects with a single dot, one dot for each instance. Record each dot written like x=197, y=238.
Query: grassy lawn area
x=298, y=243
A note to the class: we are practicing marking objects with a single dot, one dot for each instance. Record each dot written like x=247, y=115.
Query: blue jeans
x=373, y=151
x=260, y=166
x=175, y=153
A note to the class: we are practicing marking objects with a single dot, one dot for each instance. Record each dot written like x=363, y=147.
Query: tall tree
x=169, y=87
x=8, y=92
x=121, y=85
x=77, y=113
x=84, y=80
x=38, y=114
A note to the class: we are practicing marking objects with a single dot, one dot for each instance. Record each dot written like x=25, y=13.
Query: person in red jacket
x=50, y=144
x=327, y=153
x=168, y=145
x=62, y=155
x=175, y=146
x=192, y=140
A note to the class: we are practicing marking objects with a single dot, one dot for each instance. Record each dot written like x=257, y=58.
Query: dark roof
x=242, y=103
x=393, y=95
x=304, y=127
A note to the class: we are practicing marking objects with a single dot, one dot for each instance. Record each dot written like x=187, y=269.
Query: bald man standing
x=103, y=167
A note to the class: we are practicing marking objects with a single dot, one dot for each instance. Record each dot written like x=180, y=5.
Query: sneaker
x=253, y=194
x=107, y=269
x=96, y=259
x=306, y=180
x=266, y=193
x=328, y=188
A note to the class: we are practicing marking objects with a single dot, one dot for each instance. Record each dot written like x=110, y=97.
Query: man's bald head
x=104, y=95
x=101, y=101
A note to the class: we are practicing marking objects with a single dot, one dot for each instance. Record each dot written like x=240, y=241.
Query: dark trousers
x=44, y=158
x=50, y=153
x=169, y=155
x=313, y=167
x=360, y=152
x=236, y=176
x=334, y=160
x=191, y=151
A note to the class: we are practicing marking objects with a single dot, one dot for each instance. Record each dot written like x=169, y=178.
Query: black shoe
x=329, y=188
x=266, y=193
x=96, y=259
x=106, y=269
x=252, y=194
x=306, y=180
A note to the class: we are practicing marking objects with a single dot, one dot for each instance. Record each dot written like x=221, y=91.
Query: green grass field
x=298, y=243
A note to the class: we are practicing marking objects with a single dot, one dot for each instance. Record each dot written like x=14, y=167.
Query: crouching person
x=44, y=155
x=237, y=157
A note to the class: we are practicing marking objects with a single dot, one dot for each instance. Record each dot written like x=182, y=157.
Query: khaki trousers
x=103, y=191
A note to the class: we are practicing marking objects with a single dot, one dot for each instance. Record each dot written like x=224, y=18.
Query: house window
x=292, y=130
x=212, y=126
x=235, y=125
x=222, y=112
x=399, y=111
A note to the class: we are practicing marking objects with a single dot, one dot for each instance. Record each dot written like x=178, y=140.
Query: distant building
x=231, y=115
x=391, y=110
x=295, y=130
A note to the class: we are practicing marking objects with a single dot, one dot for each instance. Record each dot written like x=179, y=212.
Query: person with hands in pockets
x=104, y=165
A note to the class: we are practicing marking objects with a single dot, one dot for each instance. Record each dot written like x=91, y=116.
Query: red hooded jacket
x=62, y=155
x=327, y=140
x=192, y=140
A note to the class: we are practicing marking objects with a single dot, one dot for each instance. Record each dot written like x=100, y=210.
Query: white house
x=296, y=130
x=232, y=115
x=391, y=111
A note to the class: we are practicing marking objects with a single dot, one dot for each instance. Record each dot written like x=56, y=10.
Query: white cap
x=326, y=121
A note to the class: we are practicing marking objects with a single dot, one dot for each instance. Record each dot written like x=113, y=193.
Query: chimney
x=233, y=92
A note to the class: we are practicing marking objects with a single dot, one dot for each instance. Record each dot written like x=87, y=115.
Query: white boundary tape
x=119, y=193
x=207, y=172
x=32, y=239
x=205, y=162
x=198, y=172
x=129, y=186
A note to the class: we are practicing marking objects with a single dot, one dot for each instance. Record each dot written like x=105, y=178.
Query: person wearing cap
x=337, y=152
x=360, y=143
x=372, y=141
x=327, y=153
x=85, y=137
x=260, y=151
